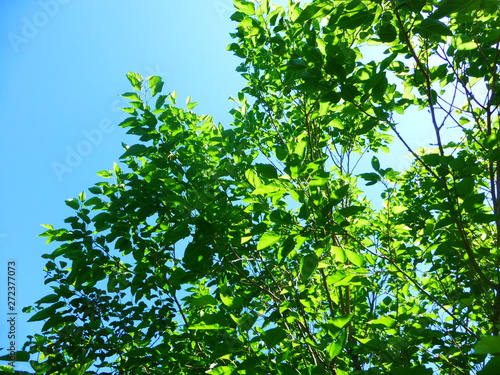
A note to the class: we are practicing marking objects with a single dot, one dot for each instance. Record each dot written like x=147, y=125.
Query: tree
x=258, y=248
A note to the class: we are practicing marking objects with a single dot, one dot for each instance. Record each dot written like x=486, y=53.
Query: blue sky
x=62, y=69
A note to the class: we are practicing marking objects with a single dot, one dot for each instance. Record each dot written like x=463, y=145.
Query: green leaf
x=253, y=178
x=398, y=209
x=198, y=256
x=356, y=259
x=432, y=159
x=273, y=336
x=82, y=196
x=160, y=101
x=245, y=6
x=463, y=42
x=491, y=367
x=285, y=369
x=96, y=190
x=338, y=254
x=341, y=193
x=279, y=216
x=207, y=327
x=301, y=146
x=286, y=248
x=20, y=356
x=353, y=21
x=134, y=150
x=132, y=96
x=385, y=321
x=415, y=370
x=317, y=9
x=433, y=26
x=336, y=123
x=50, y=298
x=268, y=239
x=414, y=5
x=351, y=210
x=266, y=170
x=380, y=87
x=105, y=174
x=318, y=181
x=73, y=203
x=135, y=80
x=246, y=322
x=333, y=350
x=266, y=189
x=466, y=186
x=492, y=140
x=387, y=33
x=448, y=7
x=484, y=218
x=385, y=63
x=205, y=300
x=263, y=8
x=221, y=370
x=46, y=313
x=308, y=265
x=488, y=345
x=155, y=85
x=297, y=64
x=190, y=105
x=92, y=201
x=341, y=321
x=231, y=302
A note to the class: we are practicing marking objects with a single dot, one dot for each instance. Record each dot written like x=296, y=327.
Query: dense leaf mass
x=259, y=247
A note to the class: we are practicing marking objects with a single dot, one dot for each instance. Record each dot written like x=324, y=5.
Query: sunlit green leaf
x=244, y=6
x=268, y=239
x=463, y=42
x=105, y=174
x=203, y=327
x=341, y=321
x=333, y=350
x=135, y=80
x=155, y=84
x=385, y=321
x=356, y=259
x=315, y=10
x=132, y=96
x=221, y=370
x=245, y=322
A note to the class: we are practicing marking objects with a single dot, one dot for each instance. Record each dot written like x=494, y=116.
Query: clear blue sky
x=62, y=69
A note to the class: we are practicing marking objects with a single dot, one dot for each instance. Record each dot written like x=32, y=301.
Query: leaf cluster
x=254, y=248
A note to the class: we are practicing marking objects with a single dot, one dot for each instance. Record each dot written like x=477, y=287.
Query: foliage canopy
x=257, y=247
